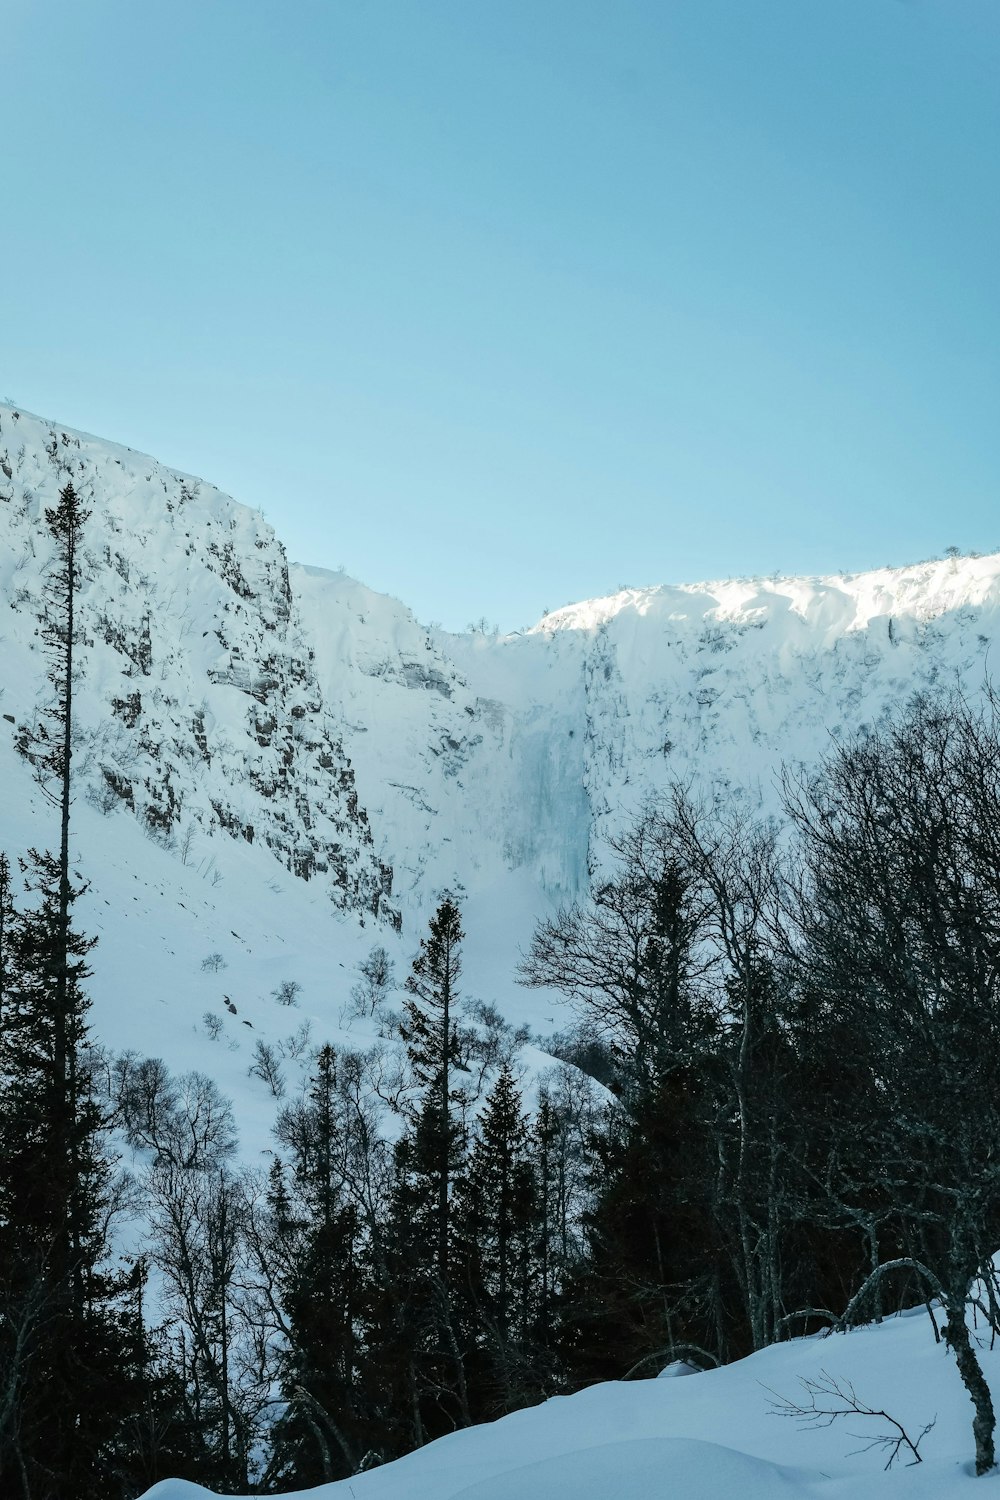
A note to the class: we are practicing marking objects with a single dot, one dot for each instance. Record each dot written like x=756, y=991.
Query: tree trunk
x=956, y=1336
x=444, y=1124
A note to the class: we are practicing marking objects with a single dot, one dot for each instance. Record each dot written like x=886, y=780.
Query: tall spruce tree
x=417, y=1309
x=65, y=1371
x=323, y=1434
x=497, y=1252
x=635, y=960
x=7, y=920
x=433, y=1044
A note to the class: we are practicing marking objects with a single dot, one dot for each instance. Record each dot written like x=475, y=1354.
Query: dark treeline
x=778, y=1112
x=804, y=1026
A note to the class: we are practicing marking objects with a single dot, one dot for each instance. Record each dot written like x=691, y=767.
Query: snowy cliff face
x=198, y=705
x=476, y=753
x=228, y=702
x=467, y=771
x=717, y=685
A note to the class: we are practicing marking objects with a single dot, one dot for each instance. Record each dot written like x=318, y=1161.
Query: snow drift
x=709, y=1436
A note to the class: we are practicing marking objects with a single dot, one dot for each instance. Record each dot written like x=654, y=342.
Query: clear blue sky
x=503, y=303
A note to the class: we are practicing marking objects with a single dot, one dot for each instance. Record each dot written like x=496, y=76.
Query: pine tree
x=407, y=1367
x=51, y=755
x=635, y=960
x=324, y=1433
x=434, y=1048
x=498, y=1222
x=8, y=918
x=414, y=1315
x=63, y=1375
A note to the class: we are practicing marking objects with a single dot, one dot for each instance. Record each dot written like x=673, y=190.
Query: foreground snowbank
x=709, y=1436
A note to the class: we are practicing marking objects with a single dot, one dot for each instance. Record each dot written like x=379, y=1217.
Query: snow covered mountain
x=279, y=766
x=276, y=768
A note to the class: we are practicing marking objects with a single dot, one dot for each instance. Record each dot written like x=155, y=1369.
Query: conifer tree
x=416, y=1312
x=635, y=961
x=544, y=1138
x=64, y=1372
x=498, y=1220
x=322, y=1283
x=7, y=920
x=405, y=1349
x=52, y=750
x=433, y=1044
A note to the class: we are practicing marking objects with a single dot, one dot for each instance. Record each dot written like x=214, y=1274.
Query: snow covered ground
x=714, y=1435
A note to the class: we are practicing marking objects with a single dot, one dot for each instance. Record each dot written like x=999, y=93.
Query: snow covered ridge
x=835, y=604
x=719, y=683
x=715, y=1434
x=226, y=695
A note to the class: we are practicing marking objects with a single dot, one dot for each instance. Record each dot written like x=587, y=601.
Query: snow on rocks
x=198, y=709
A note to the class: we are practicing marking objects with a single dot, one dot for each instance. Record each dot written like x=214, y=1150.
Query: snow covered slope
x=280, y=766
x=198, y=706
x=711, y=1435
